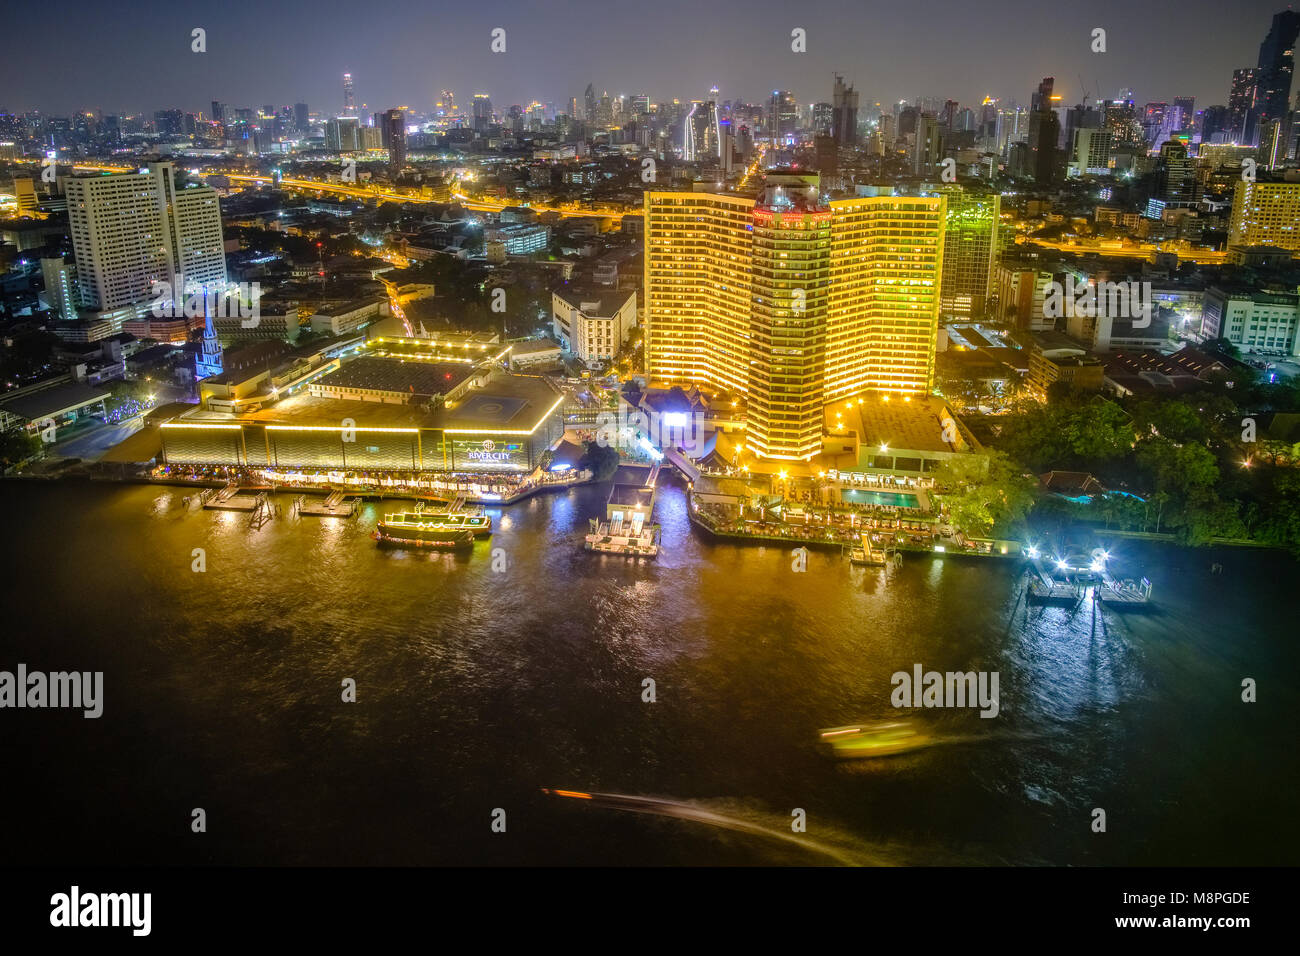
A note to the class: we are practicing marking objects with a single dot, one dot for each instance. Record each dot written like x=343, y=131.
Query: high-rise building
x=60, y=287
x=343, y=134
x=591, y=107
x=970, y=247
x=1090, y=153
x=1265, y=214
x=844, y=113
x=1044, y=133
x=130, y=230
x=349, y=100
x=792, y=302
x=1276, y=64
x=301, y=118
x=394, y=139
x=782, y=115
x=1241, y=102
x=928, y=150
x=482, y=111
x=1176, y=181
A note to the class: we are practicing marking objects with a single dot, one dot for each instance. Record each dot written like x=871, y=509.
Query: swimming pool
x=864, y=496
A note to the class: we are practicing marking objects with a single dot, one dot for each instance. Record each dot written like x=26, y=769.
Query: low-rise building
x=593, y=325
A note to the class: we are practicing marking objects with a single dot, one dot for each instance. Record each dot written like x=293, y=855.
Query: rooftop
x=394, y=375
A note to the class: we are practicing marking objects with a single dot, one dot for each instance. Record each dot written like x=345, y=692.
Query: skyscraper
x=482, y=111
x=782, y=115
x=301, y=117
x=844, y=113
x=1044, y=133
x=130, y=230
x=1241, y=102
x=394, y=139
x=349, y=101
x=1276, y=64
x=792, y=302
x=970, y=247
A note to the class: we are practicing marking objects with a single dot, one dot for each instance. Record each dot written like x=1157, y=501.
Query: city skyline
x=640, y=55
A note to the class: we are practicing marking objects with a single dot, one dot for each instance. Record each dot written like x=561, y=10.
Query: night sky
x=128, y=57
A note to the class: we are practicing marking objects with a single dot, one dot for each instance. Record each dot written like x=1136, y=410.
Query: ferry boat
x=479, y=525
x=412, y=529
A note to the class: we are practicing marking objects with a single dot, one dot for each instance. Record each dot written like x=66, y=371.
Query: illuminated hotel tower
x=792, y=302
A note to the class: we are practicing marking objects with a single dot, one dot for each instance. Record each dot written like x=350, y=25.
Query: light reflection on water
x=478, y=688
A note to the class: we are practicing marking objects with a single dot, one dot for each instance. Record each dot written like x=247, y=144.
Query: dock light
x=1032, y=552
x=1062, y=564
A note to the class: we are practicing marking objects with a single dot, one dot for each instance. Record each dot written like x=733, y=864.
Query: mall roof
x=511, y=403
x=393, y=375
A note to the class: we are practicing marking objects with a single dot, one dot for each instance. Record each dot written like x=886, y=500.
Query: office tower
x=218, y=112
x=1273, y=78
x=792, y=302
x=349, y=101
x=1241, y=102
x=343, y=134
x=573, y=108
x=844, y=113
x=701, y=134
x=1176, y=181
x=970, y=246
x=169, y=122
x=301, y=118
x=590, y=105
x=1185, y=113
x=132, y=229
x=782, y=116
x=482, y=111
x=1215, y=124
x=1272, y=143
x=640, y=104
x=1044, y=133
x=394, y=139
x=1090, y=153
x=1265, y=214
x=928, y=150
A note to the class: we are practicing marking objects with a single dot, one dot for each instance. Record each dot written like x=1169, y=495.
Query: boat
x=479, y=525
x=883, y=739
x=411, y=529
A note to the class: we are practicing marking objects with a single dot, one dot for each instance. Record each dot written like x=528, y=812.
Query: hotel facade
x=791, y=302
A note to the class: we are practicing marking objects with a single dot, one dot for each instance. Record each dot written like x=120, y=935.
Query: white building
x=1264, y=322
x=130, y=230
x=593, y=325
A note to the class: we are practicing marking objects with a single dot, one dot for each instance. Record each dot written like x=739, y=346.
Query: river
x=476, y=688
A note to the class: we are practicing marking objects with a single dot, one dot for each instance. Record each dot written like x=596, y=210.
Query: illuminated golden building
x=792, y=302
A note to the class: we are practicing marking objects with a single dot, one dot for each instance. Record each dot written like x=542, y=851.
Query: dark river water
x=477, y=688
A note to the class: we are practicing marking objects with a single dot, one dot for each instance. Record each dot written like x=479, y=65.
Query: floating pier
x=1125, y=595
x=335, y=505
x=230, y=498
